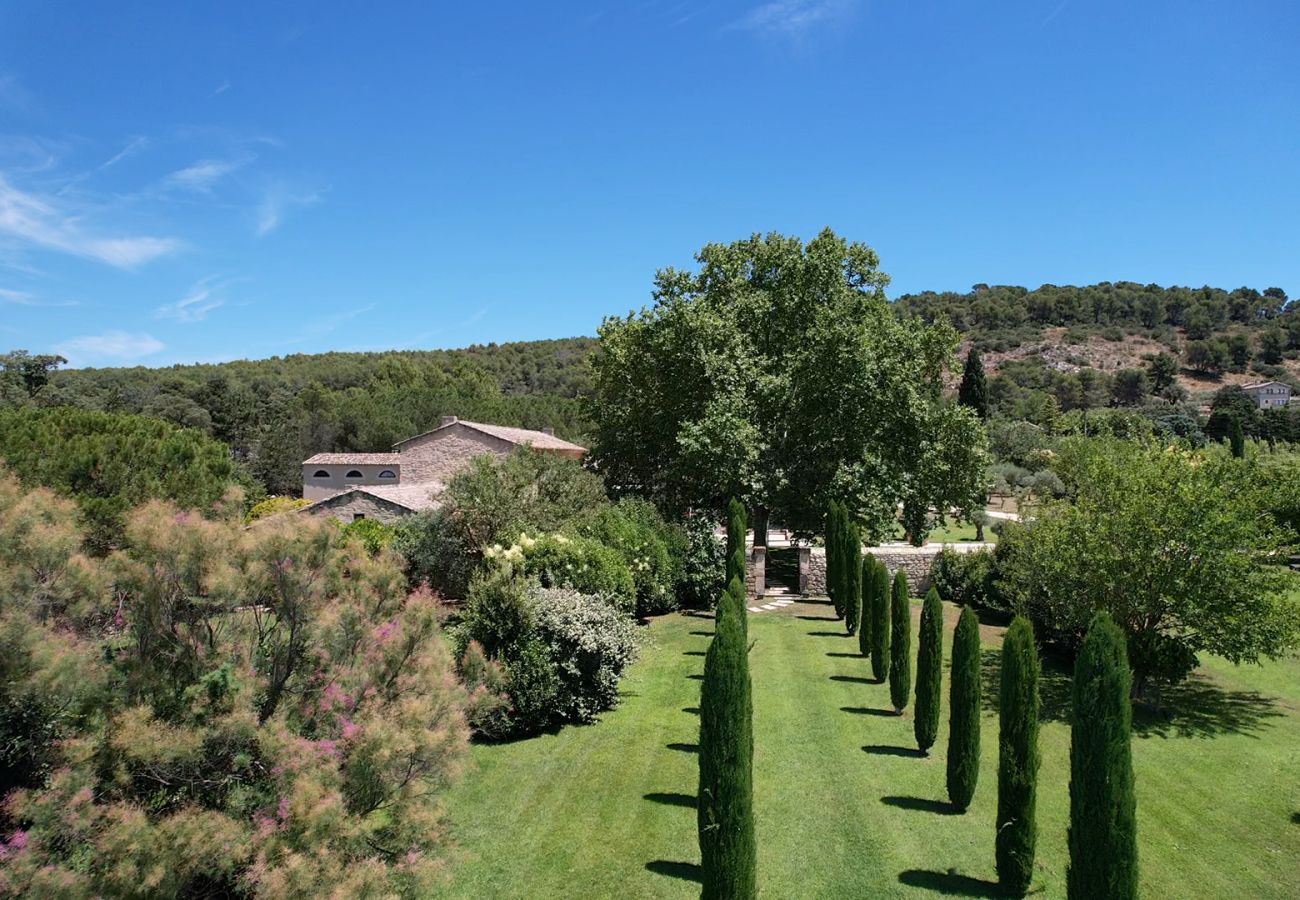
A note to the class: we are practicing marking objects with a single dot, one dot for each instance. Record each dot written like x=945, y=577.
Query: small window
x=352, y=473
x=320, y=473
x=388, y=473
x=357, y=517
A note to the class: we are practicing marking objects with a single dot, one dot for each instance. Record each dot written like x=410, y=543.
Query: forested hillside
x=276, y=412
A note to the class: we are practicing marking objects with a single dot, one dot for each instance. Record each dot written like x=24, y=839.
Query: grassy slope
x=607, y=810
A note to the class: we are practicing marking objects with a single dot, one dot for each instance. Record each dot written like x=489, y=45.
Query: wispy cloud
x=202, y=175
x=220, y=89
x=200, y=300
x=23, y=298
x=111, y=346
x=276, y=203
x=133, y=146
x=792, y=18
x=39, y=222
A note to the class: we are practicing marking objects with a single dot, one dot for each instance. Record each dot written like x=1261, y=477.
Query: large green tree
x=1176, y=545
x=778, y=372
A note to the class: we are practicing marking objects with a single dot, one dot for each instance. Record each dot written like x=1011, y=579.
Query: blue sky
x=200, y=181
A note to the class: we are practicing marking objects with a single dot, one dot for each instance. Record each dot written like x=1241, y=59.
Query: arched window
x=353, y=473
x=388, y=473
x=320, y=473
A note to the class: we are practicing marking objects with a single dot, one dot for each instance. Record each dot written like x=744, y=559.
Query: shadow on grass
x=694, y=653
x=950, y=883
x=838, y=634
x=684, y=748
x=847, y=656
x=817, y=618
x=702, y=633
x=1195, y=708
x=854, y=679
x=1295, y=818
x=693, y=710
x=683, y=800
x=868, y=711
x=921, y=804
x=694, y=677
x=673, y=869
x=888, y=750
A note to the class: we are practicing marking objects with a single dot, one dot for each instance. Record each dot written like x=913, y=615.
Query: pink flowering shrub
x=260, y=712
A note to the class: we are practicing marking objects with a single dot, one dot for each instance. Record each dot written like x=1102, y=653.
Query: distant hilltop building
x=1269, y=394
x=387, y=486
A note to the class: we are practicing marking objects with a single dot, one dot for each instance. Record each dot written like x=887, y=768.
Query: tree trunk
x=761, y=514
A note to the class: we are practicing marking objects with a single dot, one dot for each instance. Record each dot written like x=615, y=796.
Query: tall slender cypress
x=900, y=649
x=835, y=522
x=929, y=672
x=736, y=589
x=868, y=576
x=964, y=711
x=725, y=813
x=880, y=631
x=852, y=578
x=736, y=528
x=1017, y=758
x=1103, y=809
x=974, y=390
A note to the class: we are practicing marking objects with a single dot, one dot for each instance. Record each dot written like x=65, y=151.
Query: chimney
x=448, y=420
x=549, y=430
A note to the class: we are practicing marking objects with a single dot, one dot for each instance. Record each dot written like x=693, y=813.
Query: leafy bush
x=373, y=534
x=203, y=749
x=433, y=545
x=561, y=652
x=968, y=579
x=703, y=564
x=272, y=506
x=583, y=564
x=650, y=547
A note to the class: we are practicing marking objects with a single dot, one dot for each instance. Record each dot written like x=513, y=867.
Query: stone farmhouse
x=387, y=486
x=1269, y=394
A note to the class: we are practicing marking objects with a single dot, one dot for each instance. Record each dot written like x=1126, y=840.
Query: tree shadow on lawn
x=868, y=711
x=695, y=677
x=921, y=804
x=684, y=748
x=1197, y=707
x=950, y=883
x=684, y=870
x=694, y=653
x=693, y=710
x=817, y=618
x=847, y=656
x=853, y=679
x=888, y=750
x=702, y=633
x=673, y=799
x=838, y=634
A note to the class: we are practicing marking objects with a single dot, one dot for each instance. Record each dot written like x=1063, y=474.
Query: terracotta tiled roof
x=354, y=459
x=416, y=497
x=539, y=439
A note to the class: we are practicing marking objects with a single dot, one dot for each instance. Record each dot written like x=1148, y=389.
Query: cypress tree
x=1237, y=438
x=1103, y=809
x=929, y=672
x=964, y=711
x=868, y=577
x=900, y=652
x=852, y=578
x=736, y=529
x=1017, y=758
x=880, y=623
x=835, y=522
x=725, y=814
x=974, y=388
x=736, y=590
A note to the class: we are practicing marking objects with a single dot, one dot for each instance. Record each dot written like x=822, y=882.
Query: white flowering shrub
x=590, y=645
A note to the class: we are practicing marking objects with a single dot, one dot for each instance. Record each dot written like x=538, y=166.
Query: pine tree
x=1017, y=758
x=964, y=711
x=900, y=652
x=929, y=672
x=736, y=528
x=725, y=814
x=1103, y=809
x=868, y=577
x=974, y=389
x=852, y=578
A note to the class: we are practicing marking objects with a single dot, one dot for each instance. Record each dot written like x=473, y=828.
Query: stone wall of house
x=346, y=507
x=914, y=561
x=440, y=455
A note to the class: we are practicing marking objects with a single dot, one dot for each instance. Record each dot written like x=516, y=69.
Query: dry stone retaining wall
x=916, y=562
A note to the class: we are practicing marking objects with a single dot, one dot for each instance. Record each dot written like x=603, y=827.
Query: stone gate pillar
x=805, y=568
x=756, y=572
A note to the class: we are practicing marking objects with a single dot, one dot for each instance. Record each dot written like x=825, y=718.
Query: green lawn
x=845, y=807
x=952, y=533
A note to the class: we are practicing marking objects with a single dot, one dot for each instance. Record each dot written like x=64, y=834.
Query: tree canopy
x=778, y=372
